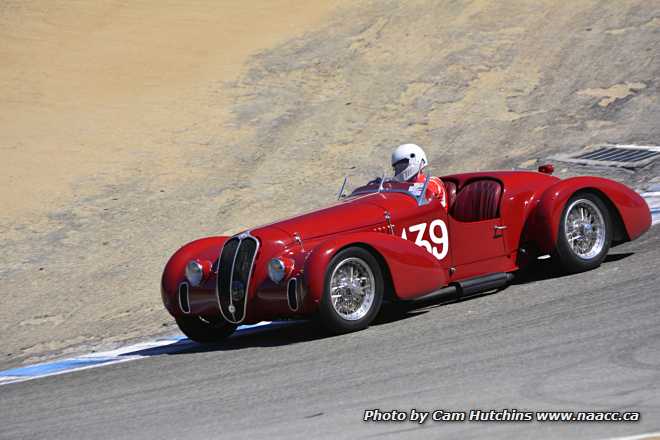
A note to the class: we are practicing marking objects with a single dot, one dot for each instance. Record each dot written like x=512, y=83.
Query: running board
x=474, y=286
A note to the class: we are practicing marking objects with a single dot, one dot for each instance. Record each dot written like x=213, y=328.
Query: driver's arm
x=436, y=189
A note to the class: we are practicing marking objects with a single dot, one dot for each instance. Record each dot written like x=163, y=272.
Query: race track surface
x=586, y=342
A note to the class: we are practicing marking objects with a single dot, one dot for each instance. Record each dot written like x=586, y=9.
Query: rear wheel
x=353, y=291
x=585, y=233
x=205, y=330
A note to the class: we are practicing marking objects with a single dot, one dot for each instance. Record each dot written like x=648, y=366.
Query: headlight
x=276, y=270
x=194, y=272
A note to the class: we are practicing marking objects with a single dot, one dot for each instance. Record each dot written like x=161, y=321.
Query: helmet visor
x=400, y=166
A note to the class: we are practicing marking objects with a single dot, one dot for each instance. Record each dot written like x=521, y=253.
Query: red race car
x=388, y=241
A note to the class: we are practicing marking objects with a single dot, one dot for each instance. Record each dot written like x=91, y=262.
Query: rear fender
x=412, y=271
x=628, y=209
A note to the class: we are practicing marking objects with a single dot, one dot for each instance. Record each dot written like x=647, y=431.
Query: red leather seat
x=478, y=200
x=450, y=189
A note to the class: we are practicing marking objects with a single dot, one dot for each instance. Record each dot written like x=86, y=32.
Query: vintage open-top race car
x=391, y=241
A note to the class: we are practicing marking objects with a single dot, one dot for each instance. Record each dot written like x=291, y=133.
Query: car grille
x=235, y=268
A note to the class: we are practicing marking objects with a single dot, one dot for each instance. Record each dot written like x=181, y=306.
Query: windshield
x=388, y=185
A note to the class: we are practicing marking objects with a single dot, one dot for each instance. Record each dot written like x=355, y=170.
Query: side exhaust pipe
x=466, y=288
x=484, y=283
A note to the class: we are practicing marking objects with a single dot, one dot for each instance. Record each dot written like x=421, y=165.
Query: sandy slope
x=129, y=129
x=91, y=96
x=92, y=88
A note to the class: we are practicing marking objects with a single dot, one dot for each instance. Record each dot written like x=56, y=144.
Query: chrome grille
x=235, y=268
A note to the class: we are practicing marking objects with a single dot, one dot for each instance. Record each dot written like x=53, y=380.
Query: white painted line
x=653, y=200
x=638, y=437
x=56, y=368
x=10, y=379
x=133, y=352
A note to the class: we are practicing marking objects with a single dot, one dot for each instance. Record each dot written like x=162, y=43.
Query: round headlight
x=194, y=272
x=276, y=270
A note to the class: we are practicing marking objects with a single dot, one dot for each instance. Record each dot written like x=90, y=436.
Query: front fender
x=174, y=272
x=413, y=271
x=630, y=207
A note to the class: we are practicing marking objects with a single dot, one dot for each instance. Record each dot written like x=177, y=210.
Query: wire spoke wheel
x=585, y=233
x=352, y=288
x=353, y=291
x=584, y=227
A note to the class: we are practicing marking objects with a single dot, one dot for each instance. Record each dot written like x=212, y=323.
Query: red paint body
x=530, y=207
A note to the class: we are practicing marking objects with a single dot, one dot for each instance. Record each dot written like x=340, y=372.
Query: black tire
x=205, y=330
x=330, y=317
x=569, y=260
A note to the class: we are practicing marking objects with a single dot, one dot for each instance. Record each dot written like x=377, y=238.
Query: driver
x=409, y=161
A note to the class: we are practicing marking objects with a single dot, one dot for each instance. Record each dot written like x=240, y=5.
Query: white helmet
x=407, y=161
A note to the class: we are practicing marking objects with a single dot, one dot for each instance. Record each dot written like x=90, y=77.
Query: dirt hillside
x=128, y=129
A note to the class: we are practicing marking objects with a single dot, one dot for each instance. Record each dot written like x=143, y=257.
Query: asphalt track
x=583, y=342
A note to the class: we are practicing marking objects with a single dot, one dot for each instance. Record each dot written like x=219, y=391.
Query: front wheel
x=585, y=233
x=205, y=330
x=353, y=291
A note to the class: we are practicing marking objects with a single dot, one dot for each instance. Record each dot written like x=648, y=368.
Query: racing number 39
x=437, y=234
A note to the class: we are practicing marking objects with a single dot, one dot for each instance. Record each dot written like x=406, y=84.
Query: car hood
x=352, y=214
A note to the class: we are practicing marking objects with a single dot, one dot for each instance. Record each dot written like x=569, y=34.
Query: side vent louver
x=184, y=300
x=292, y=294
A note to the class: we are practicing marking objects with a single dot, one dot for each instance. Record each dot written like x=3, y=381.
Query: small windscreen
x=414, y=189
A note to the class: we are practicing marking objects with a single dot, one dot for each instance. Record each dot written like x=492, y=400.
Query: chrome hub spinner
x=584, y=227
x=352, y=288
